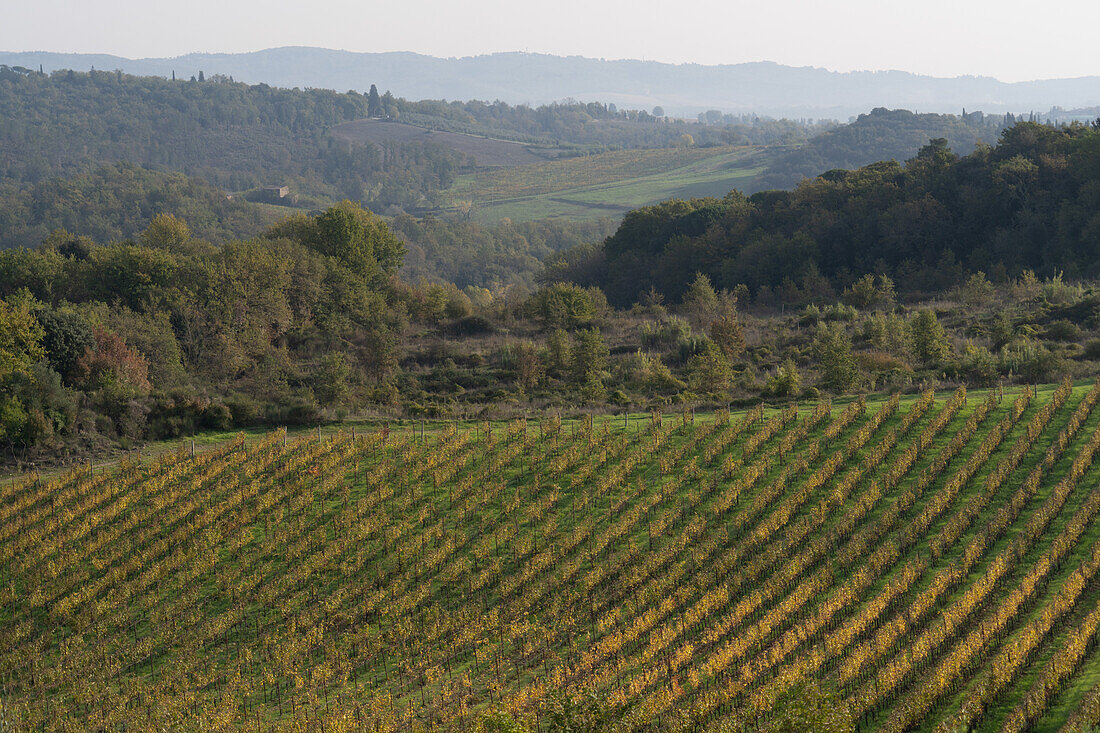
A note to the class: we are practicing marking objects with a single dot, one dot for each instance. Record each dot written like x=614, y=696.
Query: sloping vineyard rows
x=934, y=560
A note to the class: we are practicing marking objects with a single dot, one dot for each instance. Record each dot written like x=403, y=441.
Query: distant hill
x=762, y=87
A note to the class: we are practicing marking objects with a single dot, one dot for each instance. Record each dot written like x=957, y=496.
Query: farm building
x=276, y=193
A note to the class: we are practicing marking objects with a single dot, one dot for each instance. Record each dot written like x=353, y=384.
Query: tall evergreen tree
x=374, y=102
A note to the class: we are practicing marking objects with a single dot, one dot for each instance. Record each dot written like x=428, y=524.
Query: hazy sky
x=1010, y=39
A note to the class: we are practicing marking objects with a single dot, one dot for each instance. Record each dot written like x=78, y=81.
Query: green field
x=608, y=184
x=915, y=563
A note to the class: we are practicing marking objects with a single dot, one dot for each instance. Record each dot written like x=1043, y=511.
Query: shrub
x=879, y=362
x=665, y=333
x=1031, y=361
x=1062, y=330
x=522, y=360
x=977, y=365
x=710, y=371
x=650, y=373
x=785, y=383
x=839, y=312
x=590, y=356
x=1091, y=349
x=1057, y=291
x=566, y=305
x=977, y=290
x=690, y=347
x=111, y=366
x=244, y=410
x=297, y=409
x=700, y=301
x=810, y=316
x=866, y=293
x=726, y=331
x=67, y=337
x=471, y=326
x=929, y=339
x=833, y=350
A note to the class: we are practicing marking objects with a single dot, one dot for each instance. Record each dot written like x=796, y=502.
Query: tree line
x=1027, y=203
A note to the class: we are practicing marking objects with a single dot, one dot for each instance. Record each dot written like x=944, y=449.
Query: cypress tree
x=374, y=102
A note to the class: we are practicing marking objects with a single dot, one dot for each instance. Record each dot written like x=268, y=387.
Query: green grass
x=403, y=612
x=607, y=184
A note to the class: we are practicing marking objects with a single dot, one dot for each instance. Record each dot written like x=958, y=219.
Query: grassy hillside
x=607, y=184
x=929, y=560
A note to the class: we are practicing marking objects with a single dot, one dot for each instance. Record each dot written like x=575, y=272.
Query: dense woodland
x=496, y=257
x=1028, y=203
x=882, y=134
x=118, y=201
x=233, y=136
x=113, y=344
x=147, y=304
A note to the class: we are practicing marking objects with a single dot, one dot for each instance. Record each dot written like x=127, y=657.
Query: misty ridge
x=764, y=88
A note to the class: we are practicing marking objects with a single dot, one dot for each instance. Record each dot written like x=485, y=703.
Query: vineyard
x=607, y=184
x=927, y=562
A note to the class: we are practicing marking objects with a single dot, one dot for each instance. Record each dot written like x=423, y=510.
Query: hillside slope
x=929, y=559
x=484, y=152
x=881, y=134
x=608, y=184
x=116, y=202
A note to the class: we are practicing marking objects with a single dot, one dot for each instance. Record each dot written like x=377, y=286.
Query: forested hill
x=113, y=202
x=239, y=137
x=882, y=134
x=232, y=135
x=1030, y=202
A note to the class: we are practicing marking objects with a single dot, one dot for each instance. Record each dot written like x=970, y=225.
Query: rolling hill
x=608, y=184
x=895, y=563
